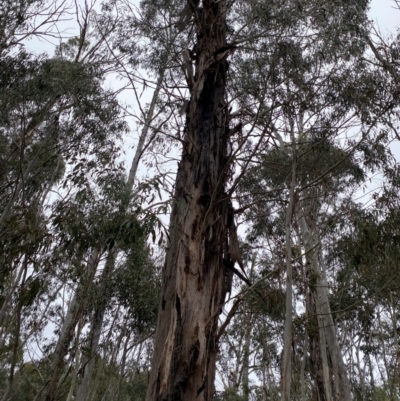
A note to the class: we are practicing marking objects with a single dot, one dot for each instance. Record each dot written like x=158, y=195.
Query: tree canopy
x=199, y=200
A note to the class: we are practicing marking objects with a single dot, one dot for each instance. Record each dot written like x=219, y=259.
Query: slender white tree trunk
x=98, y=315
x=75, y=311
x=287, y=340
x=76, y=364
x=303, y=368
x=311, y=241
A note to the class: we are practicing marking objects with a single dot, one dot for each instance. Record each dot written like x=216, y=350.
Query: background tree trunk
x=83, y=389
x=246, y=356
x=287, y=336
x=74, y=313
x=326, y=326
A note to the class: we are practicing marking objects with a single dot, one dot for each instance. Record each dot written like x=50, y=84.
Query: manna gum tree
x=193, y=288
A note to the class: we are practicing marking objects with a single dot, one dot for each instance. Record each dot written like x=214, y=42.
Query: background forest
x=89, y=141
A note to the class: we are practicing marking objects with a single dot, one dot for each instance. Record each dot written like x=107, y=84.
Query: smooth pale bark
x=335, y=353
x=75, y=310
x=388, y=379
x=145, y=131
x=303, y=368
x=311, y=242
x=361, y=370
x=193, y=287
x=88, y=361
x=287, y=339
x=70, y=396
x=325, y=365
x=265, y=368
x=247, y=344
x=371, y=371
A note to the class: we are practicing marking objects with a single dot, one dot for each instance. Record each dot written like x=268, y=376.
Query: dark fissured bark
x=183, y=366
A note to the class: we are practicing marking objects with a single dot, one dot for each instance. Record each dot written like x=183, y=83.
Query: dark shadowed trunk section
x=183, y=366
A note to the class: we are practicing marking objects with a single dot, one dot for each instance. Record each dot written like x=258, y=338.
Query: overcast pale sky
x=383, y=12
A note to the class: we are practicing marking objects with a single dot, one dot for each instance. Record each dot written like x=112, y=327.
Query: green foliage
x=229, y=394
x=137, y=288
x=29, y=380
x=137, y=387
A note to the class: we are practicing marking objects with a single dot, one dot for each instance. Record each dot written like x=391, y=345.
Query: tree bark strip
x=185, y=349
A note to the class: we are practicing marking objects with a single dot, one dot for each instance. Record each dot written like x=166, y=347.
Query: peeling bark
x=185, y=349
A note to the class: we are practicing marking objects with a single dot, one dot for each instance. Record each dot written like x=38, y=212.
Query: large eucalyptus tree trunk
x=185, y=349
